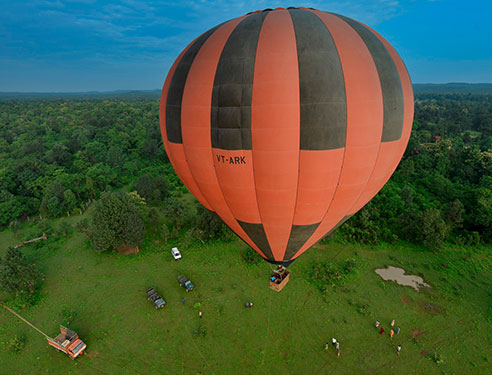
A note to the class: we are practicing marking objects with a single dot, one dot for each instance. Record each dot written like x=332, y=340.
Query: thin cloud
x=143, y=38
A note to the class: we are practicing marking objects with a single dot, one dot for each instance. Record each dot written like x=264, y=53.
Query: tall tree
x=116, y=222
x=17, y=274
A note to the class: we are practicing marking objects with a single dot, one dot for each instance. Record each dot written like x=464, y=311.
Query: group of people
x=336, y=344
x=391, y=333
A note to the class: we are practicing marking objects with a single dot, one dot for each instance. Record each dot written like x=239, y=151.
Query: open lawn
x=444, y=330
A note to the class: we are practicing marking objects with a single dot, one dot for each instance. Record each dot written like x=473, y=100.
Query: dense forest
x=59, y=154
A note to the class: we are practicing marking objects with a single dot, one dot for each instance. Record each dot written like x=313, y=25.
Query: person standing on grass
x=338, y=348
x=377, y=324
x=397, y=330
x=200, y=314
x=398, y=349
x=392, y=333
x=392, y=322
x=182, y=301
x=326, y=346
x=334, y=341
x=381, y=331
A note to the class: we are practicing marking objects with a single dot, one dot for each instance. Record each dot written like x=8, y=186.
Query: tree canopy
x=17, y=274
x=116, y=222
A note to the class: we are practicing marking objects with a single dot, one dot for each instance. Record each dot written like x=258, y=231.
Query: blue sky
x=84, y=45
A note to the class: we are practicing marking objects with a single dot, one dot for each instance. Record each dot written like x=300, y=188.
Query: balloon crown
x=279, y=8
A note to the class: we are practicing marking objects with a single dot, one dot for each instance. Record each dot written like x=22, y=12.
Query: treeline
x=59, y=155
x=442, y=189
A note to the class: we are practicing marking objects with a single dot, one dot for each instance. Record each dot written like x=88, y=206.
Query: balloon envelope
x=285, y=123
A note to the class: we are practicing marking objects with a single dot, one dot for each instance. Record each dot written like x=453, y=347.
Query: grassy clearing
x=444, y=330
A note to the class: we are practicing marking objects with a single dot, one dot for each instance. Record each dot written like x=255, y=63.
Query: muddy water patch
x=398, y=275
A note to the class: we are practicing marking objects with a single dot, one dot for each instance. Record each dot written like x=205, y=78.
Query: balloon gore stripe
x=233, y=87
x=390, y=81
x=176, y=88
x=321, y=85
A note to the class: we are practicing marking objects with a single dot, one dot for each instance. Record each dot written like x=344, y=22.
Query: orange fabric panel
x=175, y=151
x=234, y=171
x=195, y=125
x=391, y=152
x=318, y=179
x=386, y=163
x=364, y=122
x=275, y=120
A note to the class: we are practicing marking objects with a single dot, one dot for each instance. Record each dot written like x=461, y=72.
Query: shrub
x=17, y=343
x=436, y=357
x=65, y=229
x=211, y=225
x=68, y=315
x=24, y=300
x=14, y=227
x=192, y=235
x=427, y=228
x=178, y=212
x=83, y=226
x=360, y=229
x=200, y=330
x=473, y=239
x=325, y=274
x=250, y=256
x=17, y=273
x=152, y=189
x=46, y=227
x=489, y=312
x=165, y=234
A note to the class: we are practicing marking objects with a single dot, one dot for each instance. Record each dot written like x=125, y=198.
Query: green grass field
x=284, y=333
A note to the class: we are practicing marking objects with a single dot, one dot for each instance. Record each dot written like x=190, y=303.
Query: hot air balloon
x=285, y=123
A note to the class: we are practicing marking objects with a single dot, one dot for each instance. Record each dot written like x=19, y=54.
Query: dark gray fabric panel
x=176, y=88
x=298, y=237
x=257, y=234
x=345, y=218
x=233, y=87
x=390, y=82
x=323, y=102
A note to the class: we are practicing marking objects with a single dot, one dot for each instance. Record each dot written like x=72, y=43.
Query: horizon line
x=159, y=89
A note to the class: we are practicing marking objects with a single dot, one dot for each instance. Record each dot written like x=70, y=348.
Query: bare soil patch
x=417, y=333
x=398, y=275
x=127, y=250
x=92, y=354
x=405, y=300
x=431, y=308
